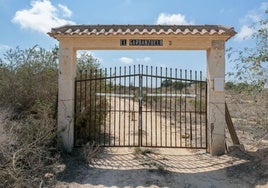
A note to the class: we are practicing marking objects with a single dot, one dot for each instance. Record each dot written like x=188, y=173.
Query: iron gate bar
x=180, y=113
x=118, y=87
x=185, y=124
x=140, y=107
x=137, y=75
x=166, y=116
x=157, y=116
x=151, y=110
x=124, y=107
x=195, y=110
x=170, y=112
x=146, y=123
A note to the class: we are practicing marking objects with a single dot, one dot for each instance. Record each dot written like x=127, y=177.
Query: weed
x=141, y=151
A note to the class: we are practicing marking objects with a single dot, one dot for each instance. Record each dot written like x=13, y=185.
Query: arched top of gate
x=141, y=36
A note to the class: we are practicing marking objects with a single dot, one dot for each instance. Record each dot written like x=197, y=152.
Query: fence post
x=66, y=87
x=216, y=97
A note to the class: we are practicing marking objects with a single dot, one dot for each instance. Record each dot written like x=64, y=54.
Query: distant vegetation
x=177, y=85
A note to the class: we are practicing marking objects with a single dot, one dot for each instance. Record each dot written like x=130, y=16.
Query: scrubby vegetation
x=28, y=82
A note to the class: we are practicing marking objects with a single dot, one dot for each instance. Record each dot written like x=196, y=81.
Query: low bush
x=28, y=87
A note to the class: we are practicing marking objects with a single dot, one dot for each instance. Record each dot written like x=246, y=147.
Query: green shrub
x=27, y=76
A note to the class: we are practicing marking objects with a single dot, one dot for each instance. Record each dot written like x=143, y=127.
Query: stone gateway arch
x=209, y=38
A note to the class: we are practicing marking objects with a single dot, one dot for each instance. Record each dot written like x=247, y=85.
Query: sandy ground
x=174, y=168
x=121, y=167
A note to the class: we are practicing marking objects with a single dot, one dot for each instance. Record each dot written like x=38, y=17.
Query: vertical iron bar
x=115, y=110
x=100, y=104
x=180, y=110
x=133, y=108
x=80, y=98
x=146, y=107
x=81, y=90
x=185, y=111
x=110, y=105
x=156, y=73
x=85, y=106
x=201, y=113
x=95, y=104
x=195, y=109
x=90, y=105
x=170, y=109
x=161, y=107
x=140, y=105
x=151, y=122
x=191, y=126
x=85, y=94
x=129, y=112
x=119, y=103
x=105, y=106
x=191, y=129
x=124, y=111
x=175, y=113
x=166, y=88
x=206, y=123
x=75, y=111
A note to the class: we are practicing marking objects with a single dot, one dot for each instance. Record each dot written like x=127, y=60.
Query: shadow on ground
x=153, y=169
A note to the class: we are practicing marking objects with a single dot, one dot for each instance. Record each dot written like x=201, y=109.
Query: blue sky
x=24, y=23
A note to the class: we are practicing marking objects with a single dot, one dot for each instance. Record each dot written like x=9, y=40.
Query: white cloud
x=144, y=59
x=66, y=12
x=126, y=60
x=244, y=33
x=42, y=16
x=172, y=19
x=253, y=16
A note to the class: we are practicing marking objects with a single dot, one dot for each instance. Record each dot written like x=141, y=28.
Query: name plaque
x=141, y=42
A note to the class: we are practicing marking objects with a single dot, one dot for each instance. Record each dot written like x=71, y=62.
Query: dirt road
x=159, y=128
x=174, y=168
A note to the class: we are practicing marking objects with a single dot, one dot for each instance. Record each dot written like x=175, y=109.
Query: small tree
x=179, y=85
x=166, y=83
x=252, y=63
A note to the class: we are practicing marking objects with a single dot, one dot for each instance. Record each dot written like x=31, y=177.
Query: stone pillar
x=67, y=73
x=216, y=97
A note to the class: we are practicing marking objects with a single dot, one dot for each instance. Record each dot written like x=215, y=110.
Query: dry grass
x=28, y=155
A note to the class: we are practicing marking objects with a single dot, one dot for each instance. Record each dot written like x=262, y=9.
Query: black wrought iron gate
x=141, y=106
